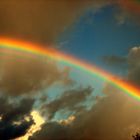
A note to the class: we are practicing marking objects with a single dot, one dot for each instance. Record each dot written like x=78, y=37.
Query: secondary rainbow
x=72, y=61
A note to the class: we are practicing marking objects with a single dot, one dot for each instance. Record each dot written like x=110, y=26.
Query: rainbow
x=56, y=55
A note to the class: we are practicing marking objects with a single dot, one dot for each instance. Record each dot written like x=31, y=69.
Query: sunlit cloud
x=38, y=121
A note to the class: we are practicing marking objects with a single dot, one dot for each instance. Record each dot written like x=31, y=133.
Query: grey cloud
x=39, y=21
x=24, y=75
x=114, y=117
x=44, y=20
x=69, y=101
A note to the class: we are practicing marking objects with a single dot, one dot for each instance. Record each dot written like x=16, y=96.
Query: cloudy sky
x=41, y=99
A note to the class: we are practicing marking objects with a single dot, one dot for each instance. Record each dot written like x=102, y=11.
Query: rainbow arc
x=59, y=56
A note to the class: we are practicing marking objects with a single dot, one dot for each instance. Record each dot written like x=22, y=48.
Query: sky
x=43, y=99
x=101, y=35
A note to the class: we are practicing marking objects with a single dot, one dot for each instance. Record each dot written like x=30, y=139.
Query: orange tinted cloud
x=132, y=6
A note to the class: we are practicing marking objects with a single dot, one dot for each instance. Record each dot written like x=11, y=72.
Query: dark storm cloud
x=52, y=131
x=11, y=113
x=114, y=117
x=38, y=20
x=23, y=75
x=134, y=63
x=44, y=20
x=69, y=101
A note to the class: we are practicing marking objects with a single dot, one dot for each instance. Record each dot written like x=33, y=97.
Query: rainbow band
x=72, y=61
